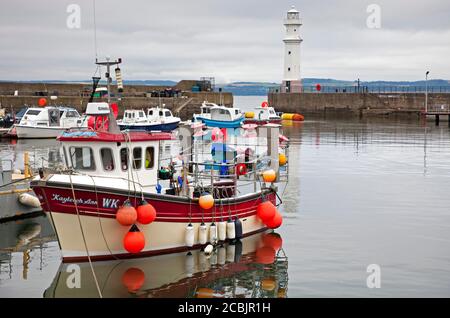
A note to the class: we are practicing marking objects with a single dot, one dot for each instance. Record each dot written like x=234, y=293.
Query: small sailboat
x=214, y=115
x=156, y=119
x=48, y=122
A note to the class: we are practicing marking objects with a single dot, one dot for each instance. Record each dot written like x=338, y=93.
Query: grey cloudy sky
x=230, y=40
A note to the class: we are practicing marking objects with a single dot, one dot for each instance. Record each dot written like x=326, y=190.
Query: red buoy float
x=318, y=87
x=264, y=104
x=126, y=214
x=241, y=169
x=134, y=240
x=146, y=213
x=42, y=102
x=275, y=222
x=133, y=279
x=266, y=211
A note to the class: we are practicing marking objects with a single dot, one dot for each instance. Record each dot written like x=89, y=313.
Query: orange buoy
x=266, y=211
x=241, y=169
x=269, y=175
x=134, y=240
x=205, y=293
x=133, y=279
x=206, y=201
x=42, y=102
x=276, y=221
x=265, y=255
x=146, y=213
x=282, y=160
x=268, y=284
x=298, y=117
x=126, y=214
x=273, y=240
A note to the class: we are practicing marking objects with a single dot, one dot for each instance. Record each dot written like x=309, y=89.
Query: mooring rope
x=84, y=238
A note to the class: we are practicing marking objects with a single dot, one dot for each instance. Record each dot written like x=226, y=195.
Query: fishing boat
x=262, y=115
x=156, y=119
x=213, y=115
x=48, y=122
x=120, y=197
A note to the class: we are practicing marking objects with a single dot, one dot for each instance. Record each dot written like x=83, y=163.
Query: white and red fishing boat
x=262, y=115
x=120, y=198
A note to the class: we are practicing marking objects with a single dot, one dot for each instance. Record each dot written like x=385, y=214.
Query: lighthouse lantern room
x=291, y=79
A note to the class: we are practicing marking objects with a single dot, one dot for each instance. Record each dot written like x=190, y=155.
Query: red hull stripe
x=79, y=259
x=60, y=200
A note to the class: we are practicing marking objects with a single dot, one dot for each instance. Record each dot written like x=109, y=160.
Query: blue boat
x=157, y=119
x=222, y=124
x=221, y=117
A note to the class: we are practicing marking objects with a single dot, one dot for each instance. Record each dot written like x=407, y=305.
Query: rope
x=100, y=220
x=84, y=238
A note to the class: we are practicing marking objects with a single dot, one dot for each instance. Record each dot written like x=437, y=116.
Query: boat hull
x=104, y=235
x=23, y=132
x=263, y=121
x=221, y=124
x=150, y=127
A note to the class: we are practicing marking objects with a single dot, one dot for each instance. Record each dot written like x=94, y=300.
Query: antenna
x=95, y=31
x=112, y=121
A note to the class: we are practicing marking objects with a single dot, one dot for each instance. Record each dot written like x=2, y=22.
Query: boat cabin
x=222, y=113
x=132, y=116
x=265, y=113
x=132, y=156
x=156, y=113
x=51, y=116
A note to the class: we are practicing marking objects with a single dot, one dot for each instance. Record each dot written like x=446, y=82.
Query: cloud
x=232, y=40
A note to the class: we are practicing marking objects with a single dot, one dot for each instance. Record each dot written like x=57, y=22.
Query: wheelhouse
x=223, y=113
x=131, y=156
x=51, y=116
x=134, y=116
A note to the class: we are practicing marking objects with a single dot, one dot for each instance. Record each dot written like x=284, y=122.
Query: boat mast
x=112, y=126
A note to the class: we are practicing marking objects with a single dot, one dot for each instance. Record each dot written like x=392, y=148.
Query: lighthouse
x=291, y=79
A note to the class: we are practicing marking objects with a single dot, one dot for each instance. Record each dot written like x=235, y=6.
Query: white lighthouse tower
x=291, y=79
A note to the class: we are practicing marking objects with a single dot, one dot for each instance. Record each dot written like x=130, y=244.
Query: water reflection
x=256, y=266
x=23, y=240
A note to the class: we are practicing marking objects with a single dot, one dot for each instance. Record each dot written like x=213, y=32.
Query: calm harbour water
x=360, y=192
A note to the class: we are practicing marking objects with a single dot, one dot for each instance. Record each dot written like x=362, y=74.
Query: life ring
x=241, y=169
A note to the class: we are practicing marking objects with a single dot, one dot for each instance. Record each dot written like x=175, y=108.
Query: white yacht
x=48, y=122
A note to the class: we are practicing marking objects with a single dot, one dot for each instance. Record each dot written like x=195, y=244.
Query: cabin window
x=160, y=113
x=124, y=159
x=141, y=114
x=137, y=158
x=168, y=114
x=107, y=159
x=150, y=113
x=82, y=158
x=71, y=114
x=223, y=111
x=149, y=158
x=33, y=112
x=236, y=111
